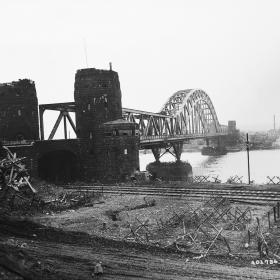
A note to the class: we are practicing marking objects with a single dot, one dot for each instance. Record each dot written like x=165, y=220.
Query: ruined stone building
x=19, y=111
x=106, y=147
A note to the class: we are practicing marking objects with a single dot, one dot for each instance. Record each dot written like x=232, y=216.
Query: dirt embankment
x=66, y=240
x=38, y=252
x=158, y=219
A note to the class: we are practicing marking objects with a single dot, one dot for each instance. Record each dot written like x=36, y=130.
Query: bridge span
x=108, y=136
x=188, y=114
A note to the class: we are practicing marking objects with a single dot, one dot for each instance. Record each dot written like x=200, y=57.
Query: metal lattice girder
x=64, y=109
x=197, y=107
x=188, y=114
x=64, y=106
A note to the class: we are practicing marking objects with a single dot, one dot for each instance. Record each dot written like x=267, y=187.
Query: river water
x=263, y=163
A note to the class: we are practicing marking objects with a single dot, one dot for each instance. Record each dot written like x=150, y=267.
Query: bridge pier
x=220, y=142
x=177, y=151
x=178, y=148
x=214, y=147
x=156, y=153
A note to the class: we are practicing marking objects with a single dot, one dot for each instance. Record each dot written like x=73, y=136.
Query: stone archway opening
x=58, y=166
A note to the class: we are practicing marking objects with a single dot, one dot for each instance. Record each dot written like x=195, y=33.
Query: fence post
x=278, y=209
x=274, y=214
x=268, y=216
x=258, y=221
x=248, y=157
x=249, y=236
x=147, y=238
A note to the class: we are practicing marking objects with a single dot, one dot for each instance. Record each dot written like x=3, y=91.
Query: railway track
x=185, y=192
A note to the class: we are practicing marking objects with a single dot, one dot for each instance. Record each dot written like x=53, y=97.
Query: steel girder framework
x=64, y=109
x=188, y=114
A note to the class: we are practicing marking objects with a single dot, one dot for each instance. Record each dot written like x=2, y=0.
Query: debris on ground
x=15, y=185
x=17, y=194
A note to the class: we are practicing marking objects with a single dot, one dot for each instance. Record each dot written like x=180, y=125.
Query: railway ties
x=168, y=189
x=242, y=195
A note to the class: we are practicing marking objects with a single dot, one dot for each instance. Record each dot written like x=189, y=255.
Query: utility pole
x=248, y=157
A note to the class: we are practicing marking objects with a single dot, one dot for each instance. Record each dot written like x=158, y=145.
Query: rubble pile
x=18, y=194
x=68, y=200
x=15, y=187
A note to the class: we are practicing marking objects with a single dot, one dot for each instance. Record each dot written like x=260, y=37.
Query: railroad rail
x=185, y=192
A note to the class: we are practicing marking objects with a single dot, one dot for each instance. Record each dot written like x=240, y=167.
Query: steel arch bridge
x=187, y=114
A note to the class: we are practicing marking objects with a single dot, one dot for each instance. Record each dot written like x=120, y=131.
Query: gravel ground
x=67, y=244
x=46, y=253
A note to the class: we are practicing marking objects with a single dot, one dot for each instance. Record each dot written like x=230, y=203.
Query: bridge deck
x=148, y=140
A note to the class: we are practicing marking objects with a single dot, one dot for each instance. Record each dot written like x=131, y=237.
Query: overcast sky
x=230, y=49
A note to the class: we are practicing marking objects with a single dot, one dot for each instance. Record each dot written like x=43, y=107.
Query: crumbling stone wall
x=19, y=111
x=107, y=147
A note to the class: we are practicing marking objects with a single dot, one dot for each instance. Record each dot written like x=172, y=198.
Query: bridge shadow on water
x=58, y=166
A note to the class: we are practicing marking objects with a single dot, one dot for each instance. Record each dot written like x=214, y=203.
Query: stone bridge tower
x=18, y=111
x=98, y=100
x=113, y=144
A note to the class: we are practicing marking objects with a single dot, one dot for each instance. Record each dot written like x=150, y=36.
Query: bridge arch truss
x=187, y=114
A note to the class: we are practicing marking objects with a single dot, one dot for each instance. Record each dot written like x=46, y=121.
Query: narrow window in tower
x=19, y=112
x=88, y=106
